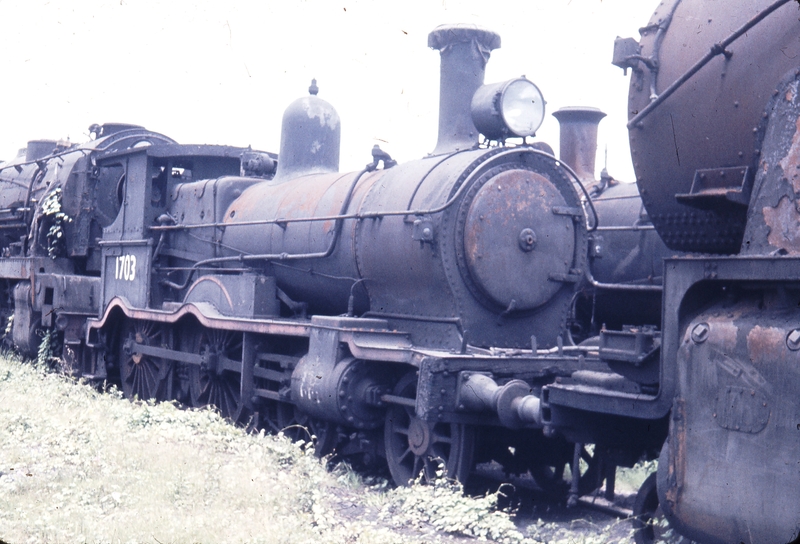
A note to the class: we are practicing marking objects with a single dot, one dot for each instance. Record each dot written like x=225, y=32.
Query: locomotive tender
x=486, y=302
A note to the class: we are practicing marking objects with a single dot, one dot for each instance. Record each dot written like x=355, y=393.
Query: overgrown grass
x=630, y=479
x=79, y=466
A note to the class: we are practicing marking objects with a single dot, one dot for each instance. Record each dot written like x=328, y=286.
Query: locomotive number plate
x=125, y=267
x=126, y=271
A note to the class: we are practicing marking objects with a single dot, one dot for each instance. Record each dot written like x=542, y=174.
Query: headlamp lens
x=522, y=107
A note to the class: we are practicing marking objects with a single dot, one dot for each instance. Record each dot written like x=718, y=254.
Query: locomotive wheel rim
x=648, y=515
x=298, y=426
x=219, y=389
x=142, y=376
x=448, y=444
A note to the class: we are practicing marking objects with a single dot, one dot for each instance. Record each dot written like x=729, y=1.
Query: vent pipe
x=464, y=50
x=578, y=141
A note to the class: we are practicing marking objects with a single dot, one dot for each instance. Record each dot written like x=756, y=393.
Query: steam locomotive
x=488, y=302
x=411, y=313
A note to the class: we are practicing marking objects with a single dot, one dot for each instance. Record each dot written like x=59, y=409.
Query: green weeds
x=79, y=466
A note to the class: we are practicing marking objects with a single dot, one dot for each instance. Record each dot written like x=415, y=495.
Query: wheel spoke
x=150, y=373
x=143, y=376
x=403, y=431
x=404, y=455
x=214, y=386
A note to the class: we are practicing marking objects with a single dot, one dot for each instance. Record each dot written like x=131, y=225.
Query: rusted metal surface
x=578, y=139
x=464, y=49
x=204, y=313
x=773, y=222
x=716, y=157
x=328, y=289
x=738, y=400
x=713, y=120
x=437, y=293
x=514, y=242
x=391, y=269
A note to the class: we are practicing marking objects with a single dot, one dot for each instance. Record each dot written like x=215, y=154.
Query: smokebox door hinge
x=575, y=213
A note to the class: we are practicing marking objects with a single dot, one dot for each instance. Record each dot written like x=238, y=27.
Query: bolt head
x=527, y=240
x=700, y=333
x=793, y=340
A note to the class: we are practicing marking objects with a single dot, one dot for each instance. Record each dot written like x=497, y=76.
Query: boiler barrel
x=324, y=282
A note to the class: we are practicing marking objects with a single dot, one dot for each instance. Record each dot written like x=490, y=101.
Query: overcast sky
x=223, y=72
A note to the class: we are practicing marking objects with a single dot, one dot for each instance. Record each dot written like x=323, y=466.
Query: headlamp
x=513, y=108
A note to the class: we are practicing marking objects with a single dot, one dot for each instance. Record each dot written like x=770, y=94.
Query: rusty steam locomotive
x=714, y=115
x=486, y=302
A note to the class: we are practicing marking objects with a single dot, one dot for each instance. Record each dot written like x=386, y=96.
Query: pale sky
x=223, y=72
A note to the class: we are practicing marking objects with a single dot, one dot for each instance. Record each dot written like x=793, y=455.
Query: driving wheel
x=417, y=448
x=216, y=381
x=143, y=376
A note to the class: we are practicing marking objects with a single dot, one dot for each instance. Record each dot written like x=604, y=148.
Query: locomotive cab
x=157, y=187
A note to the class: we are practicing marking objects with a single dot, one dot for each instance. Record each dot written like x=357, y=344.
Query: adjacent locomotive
x=714, y=137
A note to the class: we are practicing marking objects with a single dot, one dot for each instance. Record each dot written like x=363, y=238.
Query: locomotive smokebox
x=465, y=49
x=578, y=141
x=310, y=137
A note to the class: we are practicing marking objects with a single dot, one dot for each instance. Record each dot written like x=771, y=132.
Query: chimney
x=578, y=142
x=464, y=49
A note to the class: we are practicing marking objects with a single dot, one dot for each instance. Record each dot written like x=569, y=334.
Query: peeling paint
x=315, y=109
x=791, y=162
x=766, y=345
x=676, y=468
x=784, y=224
